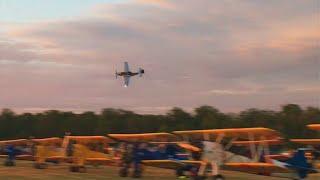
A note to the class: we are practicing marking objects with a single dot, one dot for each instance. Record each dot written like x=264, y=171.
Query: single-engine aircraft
x=127, y=74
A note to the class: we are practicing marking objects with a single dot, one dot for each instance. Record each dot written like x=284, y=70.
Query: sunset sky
x=230, y=54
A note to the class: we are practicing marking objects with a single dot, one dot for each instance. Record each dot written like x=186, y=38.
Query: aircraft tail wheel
x=218, y=177
x=123, y=172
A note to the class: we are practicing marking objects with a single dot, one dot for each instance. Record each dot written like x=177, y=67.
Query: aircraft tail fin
x=300, y=164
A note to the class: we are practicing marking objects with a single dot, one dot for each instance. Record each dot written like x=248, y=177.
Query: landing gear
x=123, y=172
x=40, y=165
x=9, y=163
x=218, y=177
x=80, y=169
x=137, y=173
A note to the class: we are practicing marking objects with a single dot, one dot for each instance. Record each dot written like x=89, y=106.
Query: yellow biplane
x=47, y=149
x=38, y=150
x=84, y=150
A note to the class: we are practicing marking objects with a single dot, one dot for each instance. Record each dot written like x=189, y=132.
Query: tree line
x=291, y=121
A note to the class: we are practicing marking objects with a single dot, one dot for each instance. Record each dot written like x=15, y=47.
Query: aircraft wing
x=25, y=157
x=48, y=141
x=242, y=133
x=85, y=140
x=258, y=142
x=126, y=67
x=256, y=168
x=126, y=80
x=315, y=127
x=16, y=142
x=306, y=141
x=170, y=163
x=102, y=161
x=143, y=137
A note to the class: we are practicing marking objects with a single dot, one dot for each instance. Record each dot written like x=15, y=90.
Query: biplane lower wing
x=100, y=161
x=256, y=168
x=20, y=157
x=171, y=164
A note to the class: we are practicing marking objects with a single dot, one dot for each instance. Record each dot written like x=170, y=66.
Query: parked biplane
x=38, y=150
x=149, y=146
x=48, y=150
x=215, y=155
x=84, y=150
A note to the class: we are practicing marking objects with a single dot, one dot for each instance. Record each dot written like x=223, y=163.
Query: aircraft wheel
x=198, y=177
x=36, y=165
x=123, y=172
x=40, y=165
x=218, y=177
x=74, y=169
x=9, y=163
x=179, y=172
x=137, y=174
x=82, y=169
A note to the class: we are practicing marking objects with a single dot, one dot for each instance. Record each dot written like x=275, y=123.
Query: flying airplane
x=127, y=74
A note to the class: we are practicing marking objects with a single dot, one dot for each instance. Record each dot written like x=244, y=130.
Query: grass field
x=25, y=171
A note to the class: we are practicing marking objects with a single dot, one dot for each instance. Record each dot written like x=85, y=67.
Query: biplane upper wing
x=241, y=133
x=86, y=140
x=146, y=137
x=314, y=126
x=306, y=141
x=256, y=168
x=48, y=141
x=15, y=142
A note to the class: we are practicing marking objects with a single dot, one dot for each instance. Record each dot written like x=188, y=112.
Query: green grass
x=25, y=171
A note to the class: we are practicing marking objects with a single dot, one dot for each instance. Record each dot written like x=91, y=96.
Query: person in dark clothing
x=126, y=160
x=140, y=153
x=172, y=151
x=12, y=152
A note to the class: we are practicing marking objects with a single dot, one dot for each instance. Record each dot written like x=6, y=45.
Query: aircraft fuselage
x=129, y=73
